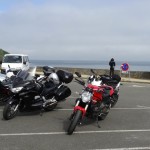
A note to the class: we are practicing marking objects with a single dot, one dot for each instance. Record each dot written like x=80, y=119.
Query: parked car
x=16, y=62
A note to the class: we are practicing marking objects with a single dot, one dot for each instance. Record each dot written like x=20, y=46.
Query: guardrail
x=85, y=71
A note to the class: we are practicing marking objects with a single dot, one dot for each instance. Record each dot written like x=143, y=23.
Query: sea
x=133, y=65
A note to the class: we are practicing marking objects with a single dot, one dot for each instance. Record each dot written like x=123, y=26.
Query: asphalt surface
x=126, y=127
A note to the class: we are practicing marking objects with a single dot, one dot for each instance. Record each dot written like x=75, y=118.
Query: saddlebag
x=65, y=76
x=62, y=93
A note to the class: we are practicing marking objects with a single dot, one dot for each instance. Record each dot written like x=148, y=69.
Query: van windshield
x=12, y=59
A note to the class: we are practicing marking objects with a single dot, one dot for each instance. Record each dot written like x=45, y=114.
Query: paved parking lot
x=127, y=126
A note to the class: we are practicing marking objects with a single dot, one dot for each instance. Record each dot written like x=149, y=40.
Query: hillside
x=2, y=53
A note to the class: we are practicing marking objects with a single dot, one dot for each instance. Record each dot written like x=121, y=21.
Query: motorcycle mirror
x=52, y=68
x=93, y=71
x=80, y=81
x=78, y=74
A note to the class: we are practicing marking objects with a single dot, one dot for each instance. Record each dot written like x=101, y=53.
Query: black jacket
x=112, y=64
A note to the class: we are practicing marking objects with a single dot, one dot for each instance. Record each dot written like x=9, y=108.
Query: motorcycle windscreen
x=23, y=76
x=32, y=71
x=62, y=93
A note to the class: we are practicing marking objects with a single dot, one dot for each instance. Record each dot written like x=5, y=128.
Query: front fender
x=81, y=109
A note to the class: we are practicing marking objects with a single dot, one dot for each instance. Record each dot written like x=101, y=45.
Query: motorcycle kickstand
x=97, y=121
x=42, y=109
x=41, y=112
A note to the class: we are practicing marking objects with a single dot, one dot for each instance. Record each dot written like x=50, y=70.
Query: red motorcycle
x=94, y=102
x=105, y=79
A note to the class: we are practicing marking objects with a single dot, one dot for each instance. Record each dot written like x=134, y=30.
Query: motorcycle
x=94, y=102
x=30, y=93
x=113, y=81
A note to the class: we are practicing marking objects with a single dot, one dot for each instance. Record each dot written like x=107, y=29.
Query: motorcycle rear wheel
x=75, y=120
x=104, y=113
x=115, y=99
x=9, y=111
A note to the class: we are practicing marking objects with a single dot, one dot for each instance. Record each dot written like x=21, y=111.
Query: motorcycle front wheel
x=10, y=111
x=75, y=120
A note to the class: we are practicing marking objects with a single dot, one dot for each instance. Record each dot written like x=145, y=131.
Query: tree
x=2, y=53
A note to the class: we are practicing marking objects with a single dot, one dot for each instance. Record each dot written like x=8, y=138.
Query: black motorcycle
x=44, y=94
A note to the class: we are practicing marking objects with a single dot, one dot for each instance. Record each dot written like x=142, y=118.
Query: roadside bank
x=135, y=76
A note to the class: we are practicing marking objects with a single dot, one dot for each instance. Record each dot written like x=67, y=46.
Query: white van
x=15, y=61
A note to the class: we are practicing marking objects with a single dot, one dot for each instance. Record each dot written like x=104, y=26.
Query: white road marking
x=137, y=108
x=138, y=86
x=140, y=108
x=79, y=132
x=143, y=106
x=131, y=148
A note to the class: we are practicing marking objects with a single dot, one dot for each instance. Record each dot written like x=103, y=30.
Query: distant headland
x=2, y=53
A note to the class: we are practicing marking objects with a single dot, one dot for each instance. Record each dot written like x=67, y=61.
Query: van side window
x=19, y=59
x=24, y=60
x=12, y=59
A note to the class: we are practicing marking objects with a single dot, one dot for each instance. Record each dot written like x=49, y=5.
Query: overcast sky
x=76, y=29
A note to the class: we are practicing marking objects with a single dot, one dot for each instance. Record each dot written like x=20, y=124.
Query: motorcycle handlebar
x=93, y=72
x=78, y=74
x=81, y=82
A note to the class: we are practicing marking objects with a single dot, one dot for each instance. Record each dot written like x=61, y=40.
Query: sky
x=76, y=29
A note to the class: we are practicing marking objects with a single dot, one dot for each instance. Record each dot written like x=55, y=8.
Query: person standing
x=112, y=65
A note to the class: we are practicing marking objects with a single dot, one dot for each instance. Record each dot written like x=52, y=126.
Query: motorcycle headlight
x=16, y=90
x=86, y=96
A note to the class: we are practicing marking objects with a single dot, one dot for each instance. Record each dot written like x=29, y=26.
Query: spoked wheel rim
x=10, y=110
